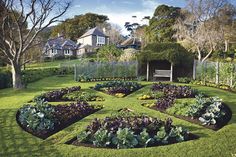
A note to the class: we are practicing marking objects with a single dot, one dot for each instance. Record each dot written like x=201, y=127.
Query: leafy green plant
x=102, y=138
x=162, y=136
x=195, y=109
x=82, y=96
x=213, y=112
x=144, y=138
x=124, y=138
x=39, y=117
x=178, y=133
x=84, y=136
x=184, y=79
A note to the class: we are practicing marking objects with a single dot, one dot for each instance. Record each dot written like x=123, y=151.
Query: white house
x=91, y=40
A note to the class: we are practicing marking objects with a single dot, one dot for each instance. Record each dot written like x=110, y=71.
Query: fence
x=95, y=70
x=215, y=72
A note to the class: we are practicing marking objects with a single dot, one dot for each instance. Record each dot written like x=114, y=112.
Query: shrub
x=184, y=79
x=33, y=75
x=5, y=79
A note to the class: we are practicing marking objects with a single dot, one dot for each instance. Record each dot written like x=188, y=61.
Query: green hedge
x=5, y=79
x=32, y=75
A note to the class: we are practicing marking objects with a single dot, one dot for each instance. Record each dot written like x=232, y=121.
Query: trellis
x=215, y=72
x=96, y=70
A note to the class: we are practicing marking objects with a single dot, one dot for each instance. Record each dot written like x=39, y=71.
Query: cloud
x=150, y=4
x=148, y=7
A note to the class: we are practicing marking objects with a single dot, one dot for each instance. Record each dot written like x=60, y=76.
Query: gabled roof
x=60, y=42
x=93, y=31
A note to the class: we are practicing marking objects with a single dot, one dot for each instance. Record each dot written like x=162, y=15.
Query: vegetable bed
x=129, y=130
x=118, y=88
x=43, y=120
x=210, y=112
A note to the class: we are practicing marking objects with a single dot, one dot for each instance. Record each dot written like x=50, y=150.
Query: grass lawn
x=51, y=64
x=15, y=142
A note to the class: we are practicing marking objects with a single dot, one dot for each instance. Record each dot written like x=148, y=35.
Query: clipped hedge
x=172, y=52
x=5, y=79
x=32, y=75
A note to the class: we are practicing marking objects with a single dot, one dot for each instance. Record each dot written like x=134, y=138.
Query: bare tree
x=16, y=37
x=111, y=30
x=198, y=25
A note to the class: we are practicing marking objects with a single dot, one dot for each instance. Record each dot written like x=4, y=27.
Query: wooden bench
x=163, y=73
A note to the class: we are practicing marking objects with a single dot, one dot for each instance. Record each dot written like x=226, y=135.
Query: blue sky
x=121, y=11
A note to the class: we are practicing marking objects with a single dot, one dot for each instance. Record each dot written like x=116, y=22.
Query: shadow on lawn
x=15, y=142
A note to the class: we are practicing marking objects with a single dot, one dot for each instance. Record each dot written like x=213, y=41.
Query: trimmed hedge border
x=32, y=75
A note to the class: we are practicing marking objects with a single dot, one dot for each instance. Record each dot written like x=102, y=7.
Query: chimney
x=104, y=30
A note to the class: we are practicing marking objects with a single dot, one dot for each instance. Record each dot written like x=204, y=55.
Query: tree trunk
x=199, y=54
x=16, y=76
x=226, y=45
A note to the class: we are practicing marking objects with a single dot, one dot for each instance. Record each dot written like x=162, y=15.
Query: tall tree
x=16, y=40
x=202, y=27
x=113, y=31
x=160, y=25
x=110, y=52
x=75, y=27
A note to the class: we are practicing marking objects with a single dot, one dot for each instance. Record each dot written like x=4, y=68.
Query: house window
x=66, y=52
x=100, y=41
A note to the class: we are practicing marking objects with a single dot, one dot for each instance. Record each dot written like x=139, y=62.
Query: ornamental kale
x=113, y=87
x=165, y=102
x=39, y=117
x=174, y=91
x=57, y=95
x=125, y=138
x=102, y=138
x=82, y=96
x=131, y=131
x=144, y=138
x=213, y=112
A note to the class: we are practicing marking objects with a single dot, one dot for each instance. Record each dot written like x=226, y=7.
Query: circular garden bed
x=124, y=128
x=186, y=103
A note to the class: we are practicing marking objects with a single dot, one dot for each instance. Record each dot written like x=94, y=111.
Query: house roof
x=60, y=43
x=93, y=31
x=130, y=41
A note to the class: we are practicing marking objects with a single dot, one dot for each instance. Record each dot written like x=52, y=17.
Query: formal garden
x=152, y=119
x=110, y=109
x=81, y=87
